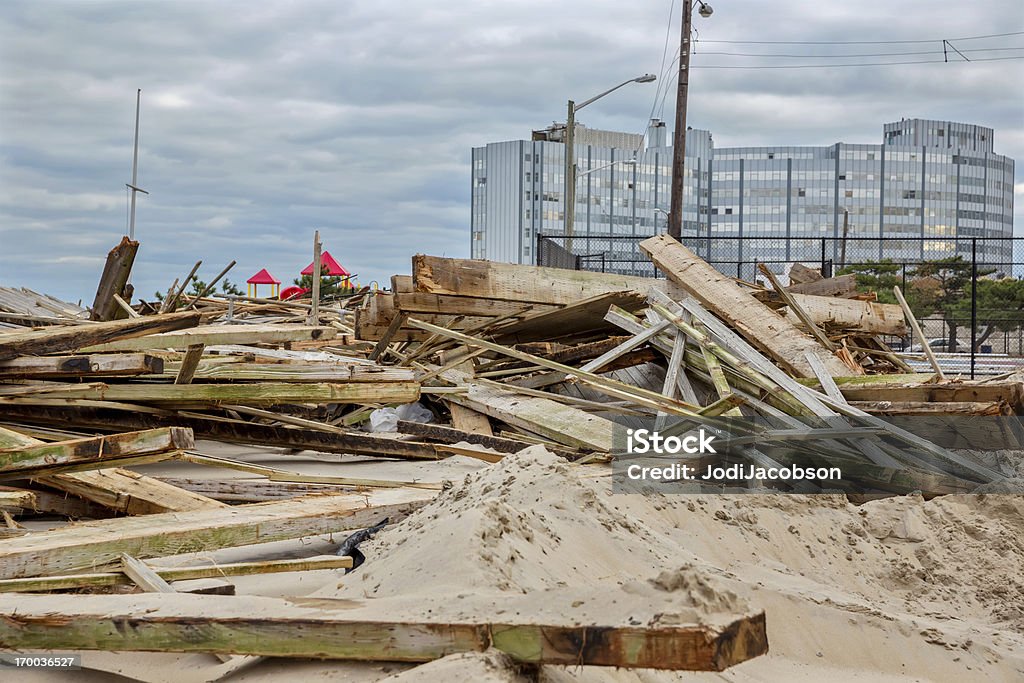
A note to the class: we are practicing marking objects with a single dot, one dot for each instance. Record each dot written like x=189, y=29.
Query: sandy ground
x=899, y=589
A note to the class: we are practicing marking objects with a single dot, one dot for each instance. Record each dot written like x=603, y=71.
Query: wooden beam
x=452, y=435
x=91, y=544
x=314, y=311
x=447, y=304
x=189, y=363
x=255, y=625
x=216, y=334
x=841, y=285
x=267, y=393
x=126, y=307
x=106, y=579
x=99, y=451
x=798, y=311
x=774, y=335
x=129, y=492
x=56, y=340
x=116, y=272
x=232, y=431
x=523, y=284
x=919, y=334
x=215, y=370
x=469, y=420
x=546, y=417
x=95, y=365
x=143, y=576
x=853, y=315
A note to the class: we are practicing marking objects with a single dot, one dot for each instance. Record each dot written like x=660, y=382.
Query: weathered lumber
x=930, y=408
x=143, y=576
x=469, y=420
x=317, y=275
x=776, y=336
x=523, y=284
x=853, y=315
x=919, y=335
x=116, y=272
x=211, y=370
x=232, y=431
x=90, y=544
x=56, y=340
x=254, y=490
x=546, y=417
x=218, y=334
x=447, y=304
x=452, y=435
x=255, y=625
x=17, y=499
x=100, y=450
x=267, y=393
x=797, y=310
x=839, y=286
x=95, y=365
x=105, y=579
x=129, y=492
x=606, y=385
x=189, y=363
x=800, y=274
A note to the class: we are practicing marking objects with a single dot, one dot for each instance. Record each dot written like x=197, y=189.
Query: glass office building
x=937, y=180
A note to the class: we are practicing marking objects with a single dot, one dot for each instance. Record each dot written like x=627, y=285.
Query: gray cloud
x=262, y=121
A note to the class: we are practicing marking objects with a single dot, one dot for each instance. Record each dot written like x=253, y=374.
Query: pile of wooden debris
x=503, y=356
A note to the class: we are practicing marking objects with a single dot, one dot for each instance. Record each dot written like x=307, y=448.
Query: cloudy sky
x=262, y=120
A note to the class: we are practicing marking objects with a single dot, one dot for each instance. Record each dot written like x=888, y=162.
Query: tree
x=941, y=287
x=878, y=277
x=330, y=285
x=198, y=287
x=1000, y=307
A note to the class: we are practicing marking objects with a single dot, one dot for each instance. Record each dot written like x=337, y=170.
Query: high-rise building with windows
x=936, y=184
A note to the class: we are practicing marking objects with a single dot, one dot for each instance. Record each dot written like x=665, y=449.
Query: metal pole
x=135, y=167
x=675, y=219
x=570, y=173
x=974, y=302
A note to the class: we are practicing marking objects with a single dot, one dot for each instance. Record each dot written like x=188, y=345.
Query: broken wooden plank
x=267, y=393
x=839, y=286
x=256, y=625
x=778, y=337
x=143, y=576
x=469, y=420
x=94, y=365
x=114, y=280
x=853, y=315
x=519, y=283
x=448, y=304
x=56, y=340
x=798, y=311
x=214, y=370
x=187, y=369
x=799, y=274
x=451, y=435
x=215, y=334
x=232, y=431
x=99, y=451
x=91, y=544
x=106, y=579
x=129, y=492
x=923, y=340
x=929, y=408
x=546, y=417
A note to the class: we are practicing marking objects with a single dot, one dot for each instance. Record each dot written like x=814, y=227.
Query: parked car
x=936, y=345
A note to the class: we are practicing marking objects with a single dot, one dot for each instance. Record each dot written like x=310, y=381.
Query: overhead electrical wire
x=837, y=66
x=863, y=54
x=861, y=42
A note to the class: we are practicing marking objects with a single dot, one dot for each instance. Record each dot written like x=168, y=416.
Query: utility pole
x=675, y=219
x=570, y=174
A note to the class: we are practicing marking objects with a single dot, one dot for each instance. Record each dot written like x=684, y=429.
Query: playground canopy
x=333, y=267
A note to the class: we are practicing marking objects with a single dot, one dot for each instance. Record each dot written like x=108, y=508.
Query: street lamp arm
x=646, y=78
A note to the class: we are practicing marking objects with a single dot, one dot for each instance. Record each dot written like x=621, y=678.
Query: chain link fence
x=975, y=325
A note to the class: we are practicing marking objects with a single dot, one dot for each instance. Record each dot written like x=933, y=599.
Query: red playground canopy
x=333, y=267
x=263, y=278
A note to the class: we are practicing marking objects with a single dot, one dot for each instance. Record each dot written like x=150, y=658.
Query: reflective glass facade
x=930, y=179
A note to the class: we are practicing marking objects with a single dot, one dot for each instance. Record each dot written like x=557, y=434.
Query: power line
x=836, y=66
x=865, y=54
x=859, y=42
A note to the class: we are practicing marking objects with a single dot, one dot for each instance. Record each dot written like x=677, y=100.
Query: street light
x=570, y=150
x=675, y=222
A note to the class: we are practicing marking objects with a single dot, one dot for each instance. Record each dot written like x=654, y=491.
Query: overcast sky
x=262, y=120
